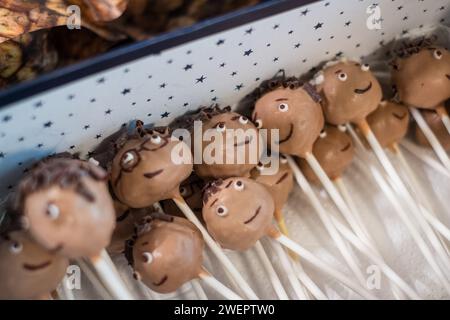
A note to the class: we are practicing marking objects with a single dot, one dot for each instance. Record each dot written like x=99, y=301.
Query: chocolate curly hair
x=211, y=188
x=411, y=47
x=202, y=114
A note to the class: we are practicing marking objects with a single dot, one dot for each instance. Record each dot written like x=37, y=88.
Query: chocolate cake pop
x=239, y=139
x=389, y=122
x=421, y=74
x=27, y=270
x=334, y=150
x=279, y=184
x=237, y=212
x=67, y=205
x=165, y=254
x=434, y=121
x=291, y=107
x=144, y=171
x=350, y=91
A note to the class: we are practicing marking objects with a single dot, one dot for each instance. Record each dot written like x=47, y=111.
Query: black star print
x=297, y=45
x=162, y=85
x=248, y=52
x=149, y=114
x=275, y=59
x=305, y=12
x=222, y=64
x=214, y=99
x=185, y=104
x=249, y=31
x=257, y=79
x=92, y=100
x=239, y=87
x=340, y=53
x=210, y=58
x=220, y=41
x=126, y=91
x=38, y=104
x=7, y=118
x=291, y=32
x=400, y=8
x=148, y=100
x=108, y=111
x=201, y=79
x=126, y=70
x=63, y=133
x=170, y=98
x=101, y=80
x=2, y=155
x=150, y=76
x=169, y=61
x=40, y=145
x=86, y=127
x=268, y=45
x=348, y=23
x=189, y=52
x=21, y=139
x=72, y=147
x=276, y=26
x=48, y=124
x=165, y=114
x=70, y=96
x=327, y=4
x=70, y=115
x=441, y=8
x=233, y=73
x=133, y=104
x=98, y=136
x=405, y=18
x=318, y=25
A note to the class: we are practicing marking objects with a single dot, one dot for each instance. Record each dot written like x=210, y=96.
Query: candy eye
x=183, y=191
x=52, y=211
x=129, y=160
x=155, y=139
x=342, y=127
x=365, y=67
x=283, y=159
x=437, y=54
x=259, y=123
x=221, y=211
x=243, y=120
x=15, y=247
x=147, y=257
x=342, y=76
x=221, y=127
x=239, y=185
x=323, y=134
x=283, y=107
x=260, y=166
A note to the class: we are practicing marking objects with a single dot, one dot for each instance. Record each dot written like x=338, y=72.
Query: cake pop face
x=168, y=255
x=423, y=79
x=350, y=92
x=68, y=207
x=436, y=125
x=295, y=113
x=27, y=270
x=239, y=142
x=389, y=122
x=238, y=212
x=279, y=184
x=144, y=172
x=333, y=150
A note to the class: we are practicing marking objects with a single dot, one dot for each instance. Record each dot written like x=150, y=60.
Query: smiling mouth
x=247, y=141
x=123, y=216
x=153, y=174
x=161, y=282
x=362, y=91
x=291, y=131
x=400, y=116
x=254, y=216
x=346, y=147
x=34, y=267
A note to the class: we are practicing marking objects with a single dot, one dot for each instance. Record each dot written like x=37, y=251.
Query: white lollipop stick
x=271, y=273
x=216, y=285
x=411, y=227
x=304, y=184
x=308, y=256
x=215, y=248
x=400, y=187
x=201, y=295
x=98, y=286
x=360, y=229
x=438, y=225
x=110, y=277
x=431, y=137
x=290, y=272
x=442, y=112
x=342, y=246
x=315, y=291
x=422, y=155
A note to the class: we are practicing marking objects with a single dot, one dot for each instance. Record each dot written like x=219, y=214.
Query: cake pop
x=434, y=122
x=27, y=270
x=334, y=150
x=143, y=171
x=421, y=74
x=237, y=212
x=389, y=122
x=68, y=207
x=350, y=91
x=279, y=185
x=166, y=252
x=239, y=139
x=292, y=108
